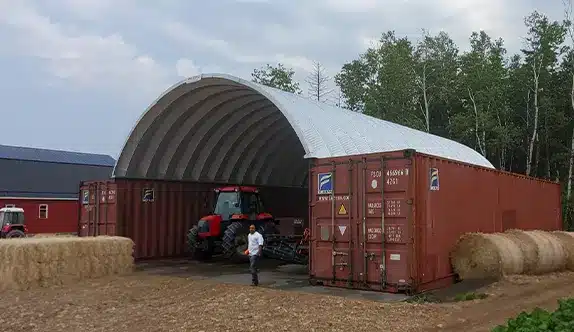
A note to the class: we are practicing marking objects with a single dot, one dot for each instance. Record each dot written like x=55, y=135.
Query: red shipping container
x=157, y=215
x=428, y=202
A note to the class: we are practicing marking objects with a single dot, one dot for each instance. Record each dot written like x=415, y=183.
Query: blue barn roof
x=55, y=156
x=31, y=172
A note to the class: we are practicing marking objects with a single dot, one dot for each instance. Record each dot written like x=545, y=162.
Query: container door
x=98, y=209
x=333, y=223
x=386, y=237
x=88, y=209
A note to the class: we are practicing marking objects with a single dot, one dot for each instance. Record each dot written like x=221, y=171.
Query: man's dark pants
x=253, y=269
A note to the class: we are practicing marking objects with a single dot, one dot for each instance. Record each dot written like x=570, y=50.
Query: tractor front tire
x=234, y=242
x=15, y=233
x=193, y=246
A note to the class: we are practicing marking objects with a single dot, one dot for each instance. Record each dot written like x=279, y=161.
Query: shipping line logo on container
x=148, y=195
x=434, y=183
x=85, y=196
x=325, y=183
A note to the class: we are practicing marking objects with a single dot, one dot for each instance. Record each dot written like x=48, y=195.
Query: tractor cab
x=12, y=223
x=238, y=203
x=232, y=204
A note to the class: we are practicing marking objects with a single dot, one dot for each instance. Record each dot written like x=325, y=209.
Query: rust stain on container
x=157, y=215
x=388, y=222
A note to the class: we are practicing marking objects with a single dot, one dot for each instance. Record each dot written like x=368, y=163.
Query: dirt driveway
x=146, y=301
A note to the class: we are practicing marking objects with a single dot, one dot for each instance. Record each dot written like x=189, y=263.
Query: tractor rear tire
x=193, y=246
x=235, y=243
x=15, y=233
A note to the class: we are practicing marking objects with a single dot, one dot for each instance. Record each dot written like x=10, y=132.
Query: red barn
x=45, y=184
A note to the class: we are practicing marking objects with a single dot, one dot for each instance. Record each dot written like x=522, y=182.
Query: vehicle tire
x=15, y=233
x=234, y=242
x=193, y=246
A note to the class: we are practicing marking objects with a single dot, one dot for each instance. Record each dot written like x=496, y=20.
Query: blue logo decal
x=434, y=184
x=325, y=183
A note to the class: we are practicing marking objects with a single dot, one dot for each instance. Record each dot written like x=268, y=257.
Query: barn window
x=10, y=205
x=43, y=211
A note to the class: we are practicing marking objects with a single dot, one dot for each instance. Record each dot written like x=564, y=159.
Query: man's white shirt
x=254, y=241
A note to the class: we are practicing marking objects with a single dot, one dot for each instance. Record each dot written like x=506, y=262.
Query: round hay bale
x=478, y=256
x=567, y=240
x=528, y=247
x=551, y=254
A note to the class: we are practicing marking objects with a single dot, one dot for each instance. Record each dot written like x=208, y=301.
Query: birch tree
x=541, y=51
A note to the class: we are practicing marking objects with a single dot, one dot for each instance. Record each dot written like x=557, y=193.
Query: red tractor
x=12, y=223
x=225, y=230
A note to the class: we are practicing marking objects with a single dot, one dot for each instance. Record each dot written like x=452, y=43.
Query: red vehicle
x=225, y=230
x=12, y=223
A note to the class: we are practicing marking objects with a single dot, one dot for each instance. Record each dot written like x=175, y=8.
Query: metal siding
x=99, y=215
x=159, y=228
x=347, y=249
x=219, y=128
x=62, y=214
x=534, y=201
x=421, y=225
x=38, y=179
x=54, y=156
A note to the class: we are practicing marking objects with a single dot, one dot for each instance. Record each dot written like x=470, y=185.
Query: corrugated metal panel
x=55, y=156
x=428, y=203
x=219, y=128
x=98, y=208
x=159, y=226
x=19, y=178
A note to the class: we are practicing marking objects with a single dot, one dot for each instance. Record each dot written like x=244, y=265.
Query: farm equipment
x=12, y=223
x=225, y=230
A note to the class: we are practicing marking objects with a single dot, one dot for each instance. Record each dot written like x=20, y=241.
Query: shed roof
x=55, y=156
x=220, y=128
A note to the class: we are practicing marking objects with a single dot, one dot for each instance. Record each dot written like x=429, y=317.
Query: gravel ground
x=143, y=302
x=151, y=303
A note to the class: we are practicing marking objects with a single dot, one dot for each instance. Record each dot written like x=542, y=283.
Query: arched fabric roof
x=220, y=128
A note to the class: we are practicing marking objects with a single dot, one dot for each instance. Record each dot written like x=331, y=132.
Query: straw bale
x=528, y=247
x=48, y=261
x=478, y=255
x=567, y=240
x=551, y=254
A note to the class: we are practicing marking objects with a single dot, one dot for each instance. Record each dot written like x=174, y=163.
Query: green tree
x=484, y=120
x=436, y=77
x=543, y=47
x=279, y=77
x=381, y=83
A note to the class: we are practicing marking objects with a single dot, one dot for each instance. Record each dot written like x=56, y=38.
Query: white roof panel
x=216, y=127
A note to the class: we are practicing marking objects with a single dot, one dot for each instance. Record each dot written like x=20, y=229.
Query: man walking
x=255, y=249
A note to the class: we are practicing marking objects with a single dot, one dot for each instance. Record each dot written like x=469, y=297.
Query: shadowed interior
x=214, y=130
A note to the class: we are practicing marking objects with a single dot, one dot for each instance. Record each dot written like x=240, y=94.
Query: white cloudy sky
x=76, y=74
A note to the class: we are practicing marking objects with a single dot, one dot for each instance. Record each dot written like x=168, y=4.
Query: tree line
x=515, y=109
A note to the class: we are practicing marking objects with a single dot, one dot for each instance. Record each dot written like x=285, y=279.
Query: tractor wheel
x=235, y=242
x=15, y=233
x=193, y=246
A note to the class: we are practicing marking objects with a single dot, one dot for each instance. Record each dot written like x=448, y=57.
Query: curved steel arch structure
x=220, y=128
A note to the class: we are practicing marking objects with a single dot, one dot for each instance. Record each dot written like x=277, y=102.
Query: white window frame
x=40, y=211
x=10, y=205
